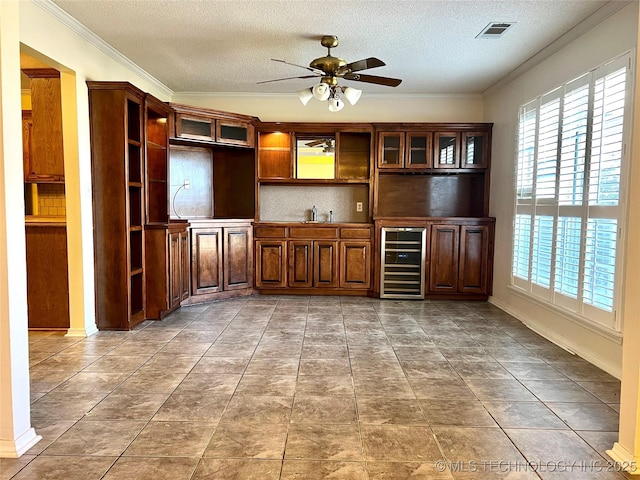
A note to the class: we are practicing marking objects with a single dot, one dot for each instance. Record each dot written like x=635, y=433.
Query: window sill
x=583, y=322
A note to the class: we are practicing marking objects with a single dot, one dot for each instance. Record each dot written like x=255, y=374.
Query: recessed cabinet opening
x=315, y=157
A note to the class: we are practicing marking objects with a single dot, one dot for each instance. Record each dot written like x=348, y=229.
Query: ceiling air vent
x=494, y=30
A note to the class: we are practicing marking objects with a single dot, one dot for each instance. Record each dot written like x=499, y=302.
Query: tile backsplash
x=279, y=203
x=51, y=200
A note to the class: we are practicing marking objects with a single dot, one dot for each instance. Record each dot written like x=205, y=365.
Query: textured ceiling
x=226, y=45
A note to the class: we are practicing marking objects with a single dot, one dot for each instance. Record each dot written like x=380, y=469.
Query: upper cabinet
x=475, y=150
x=432, y=147
x=213, y=126
x=449, y=163
x=314, y=153
x=45, y=161
x=411, y=150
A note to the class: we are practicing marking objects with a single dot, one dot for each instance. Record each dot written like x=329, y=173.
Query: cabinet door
x=355, y=265
x=300, y=263
x=271, y=263
x=275, y=155
x=47, y=278
x=474, y=252
x=206, y=258
x=475, y=150
x=195, y=127
x=390, y=149
x=234, y=133
x=184, y=266
x=325, y=264
x=443, y=269
x=47, y=151
x=175, y=270
x=446, y=150
x=237, y=258
x=419, y=150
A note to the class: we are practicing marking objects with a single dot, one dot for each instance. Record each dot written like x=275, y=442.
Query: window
x=569, y=195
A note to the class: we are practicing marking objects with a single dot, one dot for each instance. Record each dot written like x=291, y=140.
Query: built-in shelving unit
x=117, y=151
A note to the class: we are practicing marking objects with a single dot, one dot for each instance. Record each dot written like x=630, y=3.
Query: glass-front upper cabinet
x=315, y=157
x=391, y=149
x=475, y=147
x=447, y=150
x=419, y=147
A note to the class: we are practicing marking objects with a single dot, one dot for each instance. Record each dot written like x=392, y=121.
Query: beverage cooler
x=402, y=262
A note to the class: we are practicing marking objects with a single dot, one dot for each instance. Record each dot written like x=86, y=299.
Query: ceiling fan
x=328, y=144
x=329, y=69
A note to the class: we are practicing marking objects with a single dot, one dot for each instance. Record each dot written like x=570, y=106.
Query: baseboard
x=560, y=341
x=624, y=459
x=82, y=332
x=20, y=446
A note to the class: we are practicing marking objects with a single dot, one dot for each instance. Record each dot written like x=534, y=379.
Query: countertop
x=41, y=221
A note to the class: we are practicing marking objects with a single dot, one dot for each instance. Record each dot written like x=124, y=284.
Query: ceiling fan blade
x=314, y=70
x=389, y=82
x=315, y=143
x=365, y=64
x=287, y=78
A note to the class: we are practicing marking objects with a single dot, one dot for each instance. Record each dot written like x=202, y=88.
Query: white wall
x=370, y=108
x=612, y=37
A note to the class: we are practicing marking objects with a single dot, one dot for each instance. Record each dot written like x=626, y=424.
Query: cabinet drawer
x=313, y=233
x=359, y=233
x=269, y=232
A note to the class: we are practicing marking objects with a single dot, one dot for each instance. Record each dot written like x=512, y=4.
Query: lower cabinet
x=221, y=259
x=271, y=263
x=47, y=277
x=355, y=266
x=167, y=271
x=461, y=258
x=298, y=260
x=178, y=267
x=313, y=263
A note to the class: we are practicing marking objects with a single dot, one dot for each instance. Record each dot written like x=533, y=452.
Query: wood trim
x=41, y=72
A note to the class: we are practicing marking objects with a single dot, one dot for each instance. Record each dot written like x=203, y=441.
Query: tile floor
x=317, y=387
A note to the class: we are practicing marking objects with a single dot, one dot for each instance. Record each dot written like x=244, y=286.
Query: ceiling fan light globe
x=305, y=95
x=335, y=104
x=352, y=94
x=321, y=91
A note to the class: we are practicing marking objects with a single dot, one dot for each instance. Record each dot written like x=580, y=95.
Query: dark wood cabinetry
x=117, y=163
x=355, y=264
x=45, y=161
x=221, y=259
x=277, y=150
x=461, y=257
x=206, y=260
x=47, y=275
x=443, y=271
x=411, y=150
x=451, y=168
x=313, y=259
x=167, y=279
x=212, y=126
x=271, y=263
x=313, y=263
x=27, y=135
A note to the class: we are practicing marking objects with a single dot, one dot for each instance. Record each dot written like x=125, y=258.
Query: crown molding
x=86, y=34
x=473, y=96
x=587, y=24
